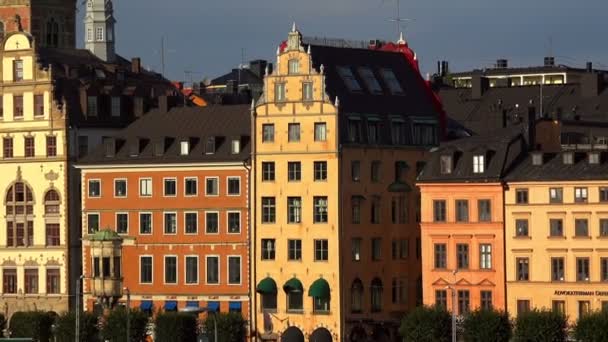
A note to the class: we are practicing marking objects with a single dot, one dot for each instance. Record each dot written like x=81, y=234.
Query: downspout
x=251, y=209
x=341, y=252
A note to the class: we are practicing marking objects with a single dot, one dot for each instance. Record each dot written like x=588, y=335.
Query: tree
x=427, y=324
x=540, y=326
x=2, y=322
x=33, y=324
x=173, y=326
x=115, y=325
x=592, y=327
x=487, y=325
x=230, y=327
x=65, y=326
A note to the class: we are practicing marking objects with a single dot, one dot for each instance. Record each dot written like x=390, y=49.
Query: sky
x=205, y=39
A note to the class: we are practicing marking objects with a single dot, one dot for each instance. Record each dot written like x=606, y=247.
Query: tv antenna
x=398, y=20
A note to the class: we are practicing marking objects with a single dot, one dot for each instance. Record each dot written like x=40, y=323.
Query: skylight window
x=349, y=79
x=370, y=80
x=391, y=81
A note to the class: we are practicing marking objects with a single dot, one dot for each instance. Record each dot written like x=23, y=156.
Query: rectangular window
x=191, y=221
x=91, y=105
x=51, y=146
x=484, y=208
x=348, y=78
x=521, y=196
x=30, y=147
x=234, y=186
x=294, y=209
x=191, y=270
x=603, y=227
x=557, y=269
x=404, y=248
x=523, y=269
x=307, y=94
x=604, y=269
x=464, y=302
x=375, y=171
x=268, y=249
x=279, y=92
x=267, y=171
x=120, y=188
x=479, y=164
x=145, y=270
x=1, y=107
x=582, y=269
x=320, y=131
x=556, y=195
x=145, y=223
x=320, y=171
x=376, y=249
x=321, y=250
x=116, y=107
x=556, y=227
x=52, y=234
x=31, y=281
x=9, y=281
x=373, y=131
x=122, y=223
x=558, y=306
x=445, y=165
x=18, y=70
x=581, y=227
x=375, y=211
x=462, y=255
x=170, y=187
x=83, y=146
x=99, y=34
x=93, y=223
x=354, y=130
x=18, y=107
x=235, y=146
x=170, y=270
x=356, y=209
x=580, y=195
x=355, y=170
x=521, y=227
x=294, y=171
x=212, y=222
x=294, y=132
x=441, y=256
x=234, y=222
x=398, y=132
x=584, y=308
x=370, y=80
x=523, y=306
x=234, y=270
x=294, y=250
x=38, y=105
x=145, y=187
x=268, y=210
x=52, y=281
x=213, y=270
x=267, y=133
x=439, y=211
x=320, y=209
x=462, y=211
x=603, y=194
x=441, y=299
x=191, y=186
x=485, y=256
x=7, y=147
x=212, y=186
x=356, y=249
x=486, y=300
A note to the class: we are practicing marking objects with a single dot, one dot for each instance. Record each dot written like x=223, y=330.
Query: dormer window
x=184, y=148
x=210, y=146
x=594, y=158
x=537, y=159
x=294, y=66
x=236, y=146
x=479, y=164
x=568, y=158
x=445, y=165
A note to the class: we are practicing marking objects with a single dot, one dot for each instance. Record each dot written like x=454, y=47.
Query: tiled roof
x=553, y=168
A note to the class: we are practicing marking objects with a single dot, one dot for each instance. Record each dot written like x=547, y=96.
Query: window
x=145, y=223
x=404, y=248
x=307, y=91
x=31, y=281
x=294, y=132
x=83, y=146
x=268, y=250
x=234, y=222
x=320, y=209
x=521, y=227
x=93, y=223
x=7, y=147
x=556, y=227
x=122, y=223
x=440, y=256
x=557, y=269
x=522, y=269
x=191, y=186
x=210, y=146
x=91, y=105
x=568, y=158
x=234, y=186
x=373, y=130
x=235, y=147
x=52, y=281
x=486, y=300
x=556, y=195
x=603, y=194
x=213, y=270
x=191, y=270
x=581, y=227
x=269, y=302
x=580, y=195
x=594, y=158
x=375, y=211
x=356, y=249
x=320, y=131
x=267, y=171
x=584, y=308
x=294, y=171
x=293, y=66
x=30, y=147
x=89, y=31
x=582, y=269
x=267, y=133
x=521, y=196
x=294, y=209
x=523, y=306
x=212, y=222
x=603, y=227
x=354, y=130
x=441, y=299
x=558, y=306
x=170, y=223
x=464, y=301
x=604, y=269
x=321, y=250
x=445, y=165
x=375, y=171
x=376, y=295
x=268, y=210
x=478, y=164
x=320, y=171
x=116, y=106
x=439, y=211
x=234, y=270
x=294, y=250
x=18, y=70
x=376, y=249
x=170, y=188
x=355, y=168
x=212, y=186
x=356, y=209
x=1, y=105
x=398, y=132
x=348, y=78
x=9, y=281
x=279, y=92
x=462, y=211
x=18, y=107
x=52, y=234
x=320, y=305
x=94, y=188
x=537, y=159
x=38, y=105
x=356, y=296
x=485, y=256
x=145, y=187
x=19, y=202
x=462, y=256
x=120, y=188
x=191, y=223
x=51, y=203
x=370, y=80
x=484, y=209
x=99, y=34
x=184, y=148
x=391, y=81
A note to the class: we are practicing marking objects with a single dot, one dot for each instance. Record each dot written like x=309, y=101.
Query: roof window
x=391, y=81
x=349, y=79
x=537, y=159
x=370, y=80
x=184, y=148
x=236, y=146
x=445, y=164
x=568, y=158
x=210, y=146
x=594, y=158
x=479, y=164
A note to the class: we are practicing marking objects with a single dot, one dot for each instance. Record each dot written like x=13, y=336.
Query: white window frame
x=176, y=188
x=152, y=270
x=165, y=222
x=198, y=270
x=126, y=187
x=99, y=34
x=190, y=178
x=140, y=187
x=197, y=222
x=116, y=221
x=479, y=163
x=228, y=185
x=228, y=269
x=165, y=269
x=217, y=213
x=86, y=227
x=217, y=179
x=235, y=146
x=151, y=223
x=89, y=31
x=115, y=106
x=280, y=92
x=308, y=96
x=219, y=275
x=483, y=262
x=228, y=222
x=89, y=186
x=184, y=148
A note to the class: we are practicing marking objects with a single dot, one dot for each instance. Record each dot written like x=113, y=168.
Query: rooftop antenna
x=398, y=19
x=162, y=55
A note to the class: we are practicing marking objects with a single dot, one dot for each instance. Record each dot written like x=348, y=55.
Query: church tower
x=99, y=29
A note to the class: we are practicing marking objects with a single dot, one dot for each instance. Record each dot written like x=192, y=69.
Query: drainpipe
x=251, y=210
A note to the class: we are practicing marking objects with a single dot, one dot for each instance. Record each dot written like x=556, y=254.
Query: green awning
x=319, y=289
x=293, y=285
x=267, y=286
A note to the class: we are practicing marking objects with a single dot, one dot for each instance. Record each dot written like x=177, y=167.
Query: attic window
x=445, y=165
x=537, y=159
x=594, y=158
x=479, y=164
x=210, y=147
x=391, y=81
x=568, y=158
x=184, y=148
x=370, y=80
x=349, y=79
x=236, y=146
x=294, y=66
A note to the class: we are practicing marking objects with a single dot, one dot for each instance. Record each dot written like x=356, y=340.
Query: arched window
x=356, y=296
x=51, y=215
x=51, y=203
x=376, y=290
x=1, y=30
x=52, y=33
x=19, y=215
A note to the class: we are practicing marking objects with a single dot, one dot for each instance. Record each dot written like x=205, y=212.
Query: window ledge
x=324, y=313
x=582, y=237
x=556, y=237
x=522, y=237
x=295, y=311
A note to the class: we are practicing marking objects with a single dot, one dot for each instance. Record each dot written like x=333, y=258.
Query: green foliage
x=2, y=322
x=173, y=326
x=230, y=327
x=592, y=327
x=540, y=326
x=34, y=324
x=66, y=325
x=487, y=325
x=427, y=324
x=115, y=325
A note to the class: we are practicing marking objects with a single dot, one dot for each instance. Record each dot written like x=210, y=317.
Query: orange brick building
x=172, y=190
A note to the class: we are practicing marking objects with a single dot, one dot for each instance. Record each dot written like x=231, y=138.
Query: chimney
x=163, y=104
x=591, y=84
x=589, y=67
x=479, y=85
x=532, y=127
x=136, y=65
x=445, y=68
x=502, y=64
x=549, y=61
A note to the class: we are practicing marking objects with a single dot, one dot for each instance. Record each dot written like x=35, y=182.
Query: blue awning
x=235, y=306
x=192, y=304
x=145, y=305
x=213, y=306
x=171, y=305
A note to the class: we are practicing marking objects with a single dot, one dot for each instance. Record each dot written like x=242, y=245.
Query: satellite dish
x=267, y=322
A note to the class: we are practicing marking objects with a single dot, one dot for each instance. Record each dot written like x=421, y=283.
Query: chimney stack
x=549, y=61
x=136, y=65
x=502, y=64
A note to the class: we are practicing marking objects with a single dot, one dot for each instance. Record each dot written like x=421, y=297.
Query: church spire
x=99, y=29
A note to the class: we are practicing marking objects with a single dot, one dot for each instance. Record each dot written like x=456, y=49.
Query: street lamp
x=78, y=283
x=126, y=290
x=200, y=310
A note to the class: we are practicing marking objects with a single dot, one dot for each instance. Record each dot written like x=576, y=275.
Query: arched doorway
x=358, y=334
x=292, y=334
x=321, y=335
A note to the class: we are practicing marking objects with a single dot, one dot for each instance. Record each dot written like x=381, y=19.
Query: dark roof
x=553, y=168
x=541, y=69
x=156, y=137
x=241, y=75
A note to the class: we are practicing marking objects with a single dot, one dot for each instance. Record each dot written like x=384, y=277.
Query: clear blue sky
x=208, y=36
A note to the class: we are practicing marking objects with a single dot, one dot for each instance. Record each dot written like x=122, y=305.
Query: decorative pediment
x=9, y=263
x=441, y=282
x=30, y=263
x=463, y=282
x=486, y=282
